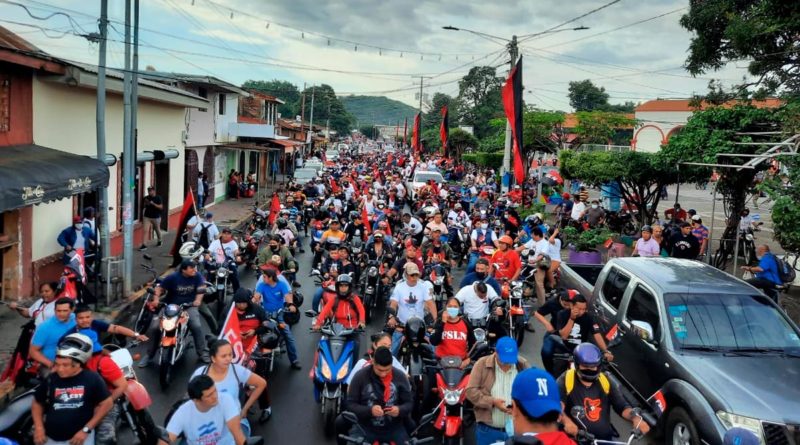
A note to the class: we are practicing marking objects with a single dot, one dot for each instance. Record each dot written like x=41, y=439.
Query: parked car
x=721, y=352
x=315, y=164
x=304, y=175
x=420, y=179
x=332, y=155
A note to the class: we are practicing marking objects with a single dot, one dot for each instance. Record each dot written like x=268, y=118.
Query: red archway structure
x=636, y=135
x=673, y=132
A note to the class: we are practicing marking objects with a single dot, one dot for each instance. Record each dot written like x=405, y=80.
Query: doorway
x=161, y=176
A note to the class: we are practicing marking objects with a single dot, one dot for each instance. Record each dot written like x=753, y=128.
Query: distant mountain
x=378, y=110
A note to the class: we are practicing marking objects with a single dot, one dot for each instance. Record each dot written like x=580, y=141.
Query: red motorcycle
x=451, y=384
x=136, y=400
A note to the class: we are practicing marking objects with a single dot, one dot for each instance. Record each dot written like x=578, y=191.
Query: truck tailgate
x=580, y=277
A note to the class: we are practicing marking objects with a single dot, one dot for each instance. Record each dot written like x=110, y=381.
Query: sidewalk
x=229, y=213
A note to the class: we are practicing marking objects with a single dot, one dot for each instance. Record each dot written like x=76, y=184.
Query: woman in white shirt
x=43, y=308
x=554, y=251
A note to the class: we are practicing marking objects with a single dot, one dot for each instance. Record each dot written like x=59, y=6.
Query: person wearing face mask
x=78, y=236
x=595, y=215
x=481, y=273
x=452, y=334
x=288, y=263
x=588, y=387
x=480, y=236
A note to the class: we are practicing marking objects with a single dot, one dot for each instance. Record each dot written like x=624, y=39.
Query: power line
x=530, y=36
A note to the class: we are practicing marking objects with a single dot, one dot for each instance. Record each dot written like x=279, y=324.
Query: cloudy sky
x=634, y=48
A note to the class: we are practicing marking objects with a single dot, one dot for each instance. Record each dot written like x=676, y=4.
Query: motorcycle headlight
x=452, y=396
x=480, y=335
x=517, y=293
x=325, y=370
x=749, y=237
x=169, y=324
x=373, y=271
x=222, y=272
x=343, y=371
x=730, y=420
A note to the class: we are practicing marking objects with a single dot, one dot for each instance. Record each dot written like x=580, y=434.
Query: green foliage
x=536, y=207
x=379, y=110
x=368, y=130
x=495, y=137
x=459, y=141
x=639, y=175
x=537, y=127
x=588, y=240
x=283, y=90
x=586, y=96
x=763, y=32
x=493, y=160
x=328, y=106
x=433, y=118
x=479, y=99
x=600, y=127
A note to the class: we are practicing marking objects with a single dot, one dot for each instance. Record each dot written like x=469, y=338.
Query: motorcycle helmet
x=544, y=262
x=190, y=250
x=415, y=330
x=242, y=295
x=268, y=340
x=354, y=215
x=587, y=354
x=76, y=346
x=282, y=223
x=344, y=279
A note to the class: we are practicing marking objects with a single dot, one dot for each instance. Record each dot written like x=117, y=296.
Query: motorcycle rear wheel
x=145, y=428
x=329, y=413
x=519, y=330
x=165, y=368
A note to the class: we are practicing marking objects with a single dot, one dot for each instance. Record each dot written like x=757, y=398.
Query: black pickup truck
x=721, y=353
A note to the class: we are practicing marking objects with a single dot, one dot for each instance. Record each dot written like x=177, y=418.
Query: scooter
x=136, y=400
x=174, y=323
x=333, y=362
x=451, y=384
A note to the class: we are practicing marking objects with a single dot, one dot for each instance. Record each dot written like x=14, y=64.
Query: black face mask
x=480, y=275
x=589, y=375
x=275, y=248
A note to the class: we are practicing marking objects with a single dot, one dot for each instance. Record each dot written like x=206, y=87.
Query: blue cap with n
x=536, y=391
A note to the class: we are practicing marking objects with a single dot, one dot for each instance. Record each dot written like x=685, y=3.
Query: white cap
x=696, y=218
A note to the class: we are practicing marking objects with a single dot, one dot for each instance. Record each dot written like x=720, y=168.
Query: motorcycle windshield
x=452, y=376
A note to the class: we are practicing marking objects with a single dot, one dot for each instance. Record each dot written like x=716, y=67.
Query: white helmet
x=76, y=346
x=190, y=250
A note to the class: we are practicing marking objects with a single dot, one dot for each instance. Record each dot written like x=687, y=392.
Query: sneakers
x=145, y=361
x=265, y=415
x=158, y=244
x=296, y=365
x=142, y=248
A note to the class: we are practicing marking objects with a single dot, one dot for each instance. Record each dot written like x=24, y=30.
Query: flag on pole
x=444, y=130
x=231, y=331
x=658, y=403
x=188, y=211
x=274, y=208
x=415, y=138
x=512, y=104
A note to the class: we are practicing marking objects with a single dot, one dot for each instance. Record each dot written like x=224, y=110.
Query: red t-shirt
x=454, y=340
x=508, y=261
x=106, y=367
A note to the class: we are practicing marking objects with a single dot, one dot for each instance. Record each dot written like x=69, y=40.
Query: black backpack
x=203, y=238
x=786, y=272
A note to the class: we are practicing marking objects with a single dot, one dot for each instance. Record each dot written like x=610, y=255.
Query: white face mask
x=78, y=226
x=594, y=206
x=484, y=226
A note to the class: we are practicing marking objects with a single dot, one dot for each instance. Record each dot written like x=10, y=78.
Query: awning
x=32, y=174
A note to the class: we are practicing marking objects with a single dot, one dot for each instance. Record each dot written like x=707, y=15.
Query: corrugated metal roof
x=683, y=105
x=12, y=41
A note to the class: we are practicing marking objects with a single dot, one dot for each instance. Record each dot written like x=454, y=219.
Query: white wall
x=648, y=139
x=64, y=119
x=200, y=125
x=223, y=123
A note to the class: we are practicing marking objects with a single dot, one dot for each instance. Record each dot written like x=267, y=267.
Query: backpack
x=202, y=239
x=569, y=382
x=786, y=272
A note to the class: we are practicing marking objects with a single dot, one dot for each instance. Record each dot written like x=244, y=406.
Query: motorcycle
x=249, y=245
x=621, y=222
x=174, y=324
x=136, y=400
x=416, y=354
x=516, y=309
x=357, y=438
x=270, y=345
x=218, y=277
x=451, y=385
x=371, y=287
x=585, y=438
x=259, y=218
x=333, y=362
x=437, y=274
x=16, y=420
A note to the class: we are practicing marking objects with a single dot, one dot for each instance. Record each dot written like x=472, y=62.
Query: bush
x=588, y=240
x=493, y=160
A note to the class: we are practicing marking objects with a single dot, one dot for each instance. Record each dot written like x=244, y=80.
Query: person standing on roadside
x=683, y=244
x=153, y=207
x=201, y=190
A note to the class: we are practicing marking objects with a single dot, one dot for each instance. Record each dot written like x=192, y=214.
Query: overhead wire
x=527, y=37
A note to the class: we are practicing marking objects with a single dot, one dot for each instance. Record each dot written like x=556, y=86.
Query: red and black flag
x=188, y=211
x=415, y=138
x=512, y=104
x=444, y=130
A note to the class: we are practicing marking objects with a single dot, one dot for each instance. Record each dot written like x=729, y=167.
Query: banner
x=444, y=130
x=242, y=347
x=512, y=104
x=274, y=208
x=415, y=138
x=188, y=211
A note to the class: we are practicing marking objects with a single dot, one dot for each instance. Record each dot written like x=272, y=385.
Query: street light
x=513, y=51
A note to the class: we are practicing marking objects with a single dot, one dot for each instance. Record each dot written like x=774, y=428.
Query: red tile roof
x=250, y=120
x=682, y=105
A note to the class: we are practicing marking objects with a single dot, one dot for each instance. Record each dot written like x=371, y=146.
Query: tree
x=585, y=96
x=368, y=130
x=460, y=141
x=601, y=127
x=283, y=90
x=639, y=175
x=718, y=130
x=537, y=128
x=434, y=117
x=495, y=137
x=327, y=106
x=480, y=99
x=764, y=32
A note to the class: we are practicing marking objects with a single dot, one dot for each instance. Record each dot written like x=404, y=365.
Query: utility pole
x=135, y=87
x=303, y=116
x=512, y=50
x=421, y=81
x=127, y=163
x=328, y=123
x=100, y=117
x=311, y=120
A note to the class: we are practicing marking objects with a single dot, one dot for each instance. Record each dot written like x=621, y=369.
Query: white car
x=304, y=175
x=315, y=164
x=332, y=155
x=420, y=179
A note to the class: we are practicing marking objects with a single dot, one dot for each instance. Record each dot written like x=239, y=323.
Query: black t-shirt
x=582, y=331
x=150, y=211
x=550, y=307
x=684, y=246
x=354, y=230
x=69, y=403
x=596, y=403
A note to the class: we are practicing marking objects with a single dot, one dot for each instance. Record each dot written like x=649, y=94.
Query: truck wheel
x=681, y=429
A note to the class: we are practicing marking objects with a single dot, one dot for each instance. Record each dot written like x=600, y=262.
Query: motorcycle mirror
x=350, y=416
x=147, y=257
x=297, y=285
x=311, y=313
x=577, y=412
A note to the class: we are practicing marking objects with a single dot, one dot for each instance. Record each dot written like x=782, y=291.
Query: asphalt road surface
x=296, y=417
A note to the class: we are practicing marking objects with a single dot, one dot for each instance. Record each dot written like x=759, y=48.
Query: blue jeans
x=486, y=435
x=473, y=260
x=291, y=344
x=317, y=299
x=397, y=337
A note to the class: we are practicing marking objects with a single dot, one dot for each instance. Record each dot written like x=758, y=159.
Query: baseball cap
x=536, y=391
x=77, y=219
x=411, y=268
x=740, y=436
x=378, y=235
x=696, y=218
x=506, y=350
x=187, y=263
x=209, y=215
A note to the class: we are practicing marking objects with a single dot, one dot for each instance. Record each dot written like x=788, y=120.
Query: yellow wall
x=64, y=119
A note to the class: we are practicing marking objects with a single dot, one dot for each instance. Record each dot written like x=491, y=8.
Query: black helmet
x=242, y=295
x=282, y=223
x=344, y=279
x=415, y=330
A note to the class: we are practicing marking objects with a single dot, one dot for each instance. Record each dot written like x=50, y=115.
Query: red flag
x=187, y=212
x=274, y=208
x=658, y=402
x=334, y=187
x=444, y=130
x=389, y=159
x=365, y=218
x=415, y=142
x=512, y=104
x=231, y=331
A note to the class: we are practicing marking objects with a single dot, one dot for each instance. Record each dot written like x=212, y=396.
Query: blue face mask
x=452, y=312
x=510, y=426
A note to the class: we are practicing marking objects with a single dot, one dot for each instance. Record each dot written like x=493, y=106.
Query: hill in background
x=378, y=110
